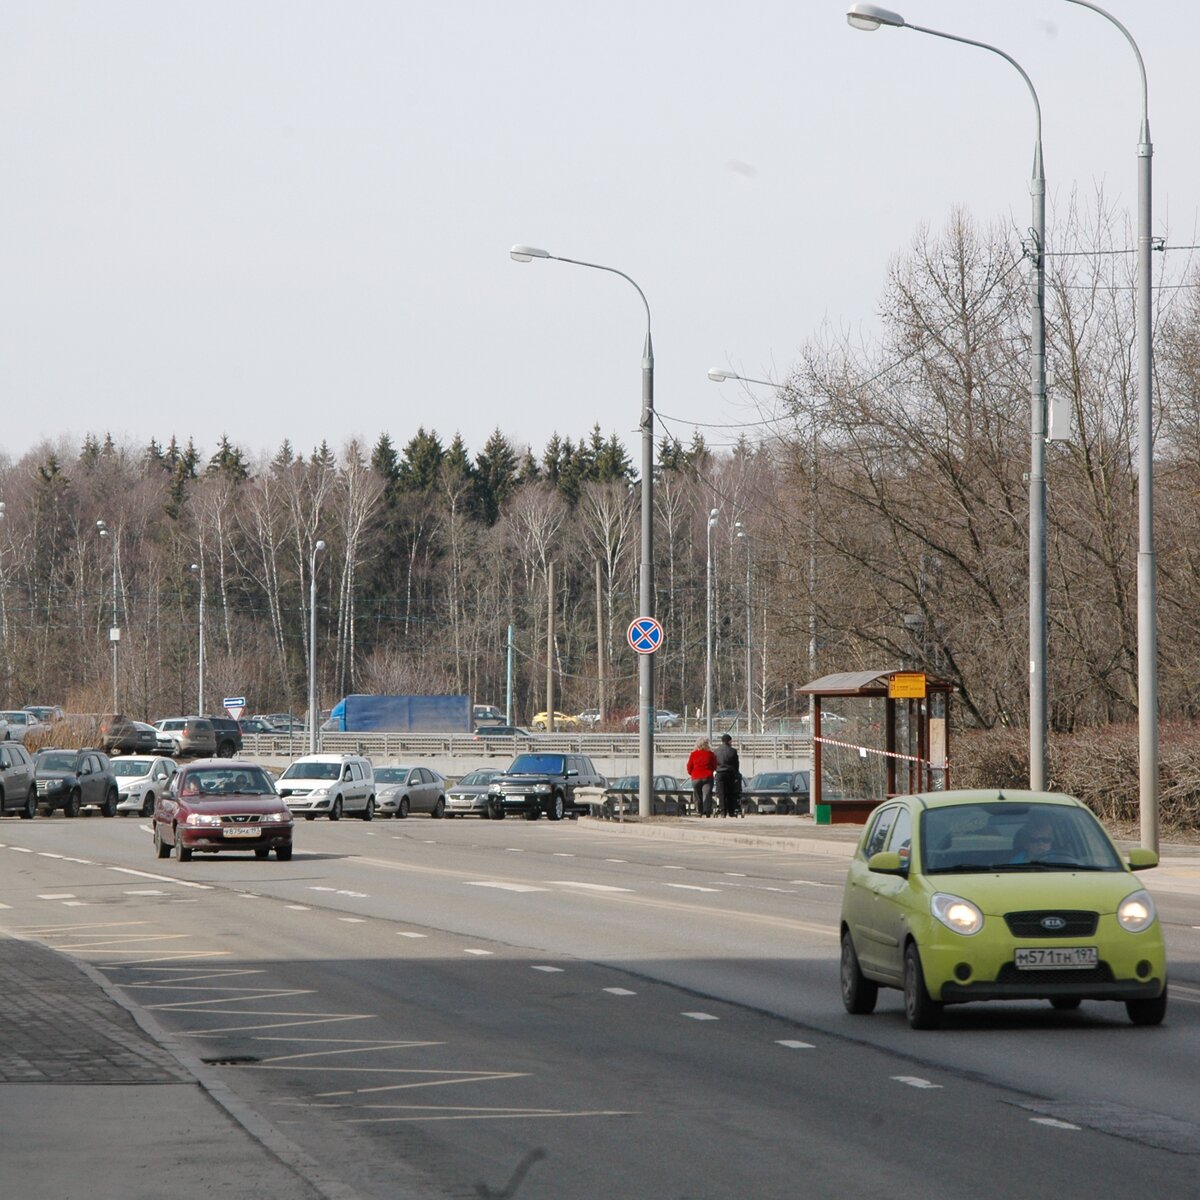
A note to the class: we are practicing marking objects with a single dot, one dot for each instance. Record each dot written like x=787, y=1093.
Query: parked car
x=45, y=712
x=402, y=790
x=664, y=718
x=229, y=736
x=777, y=792
x=75, y=779
x=562, y=721
x=17, y=724
x=998, y=895
x=469, y=795
x=329, y=785
x=543, y=783
x=141, y=779
x=260, y=725
x=213, y=805
x=179, y=736
x=281, y=722
x=589, y=718
x=622, y=797
x=118, y=734
x=501, y=731
x=486, y=714
x=18, y=785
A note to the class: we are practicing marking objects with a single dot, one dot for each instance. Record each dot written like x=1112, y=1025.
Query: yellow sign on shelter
x=906, y=685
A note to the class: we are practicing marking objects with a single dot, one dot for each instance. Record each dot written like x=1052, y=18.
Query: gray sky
x=292, y=217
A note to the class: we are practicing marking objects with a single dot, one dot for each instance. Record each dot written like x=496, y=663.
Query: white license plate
x=236, y=831
x=1065, y=958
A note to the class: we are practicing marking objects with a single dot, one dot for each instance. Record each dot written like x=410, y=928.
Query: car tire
x=335, y=813
x=109, y=807
x=284, y=853
x=225, y=750
x=368, y=813
x=261, y=851
x=72, y=806
x=922, y=1011
x=439, y=809
x=539, y=725
x=29, y=811
x=147, y=809
x=1065, y=1003
x=858, y=992
x=310, y=816
x=402, y=807
x=1148, y=1012
x=533, y=814
x=497, y=813
x=556, y=808
x=161, y=849
x=181, y=852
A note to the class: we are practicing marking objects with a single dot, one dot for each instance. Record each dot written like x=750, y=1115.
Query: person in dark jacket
x=700, y=766
x=728, y=778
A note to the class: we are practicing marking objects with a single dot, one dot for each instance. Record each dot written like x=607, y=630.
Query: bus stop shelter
x=887, y=735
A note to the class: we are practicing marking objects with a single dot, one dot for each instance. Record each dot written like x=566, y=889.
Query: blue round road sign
x=645, y=635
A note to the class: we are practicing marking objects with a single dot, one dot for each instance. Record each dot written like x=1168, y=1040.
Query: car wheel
x=556, y=808
x=261, y=851
x=182, y=853
x=1148, y=1012
x=335, y=813
x=922, y=1011
x=532, y=815
x=147, y=809
x=858, y=992
x=540, y=725
x=368, y=813
x=497, y=813
x=606, y=810
x=71, y=808
x=402, y=807
x=161, y=849
x=30, y=809
x=109, y=807
x=225, y=750
x=310, y=816
x=1065, y=1003
x=439, y=809
x=283, y=853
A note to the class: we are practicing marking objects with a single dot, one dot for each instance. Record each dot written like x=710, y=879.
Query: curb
x=682, y=833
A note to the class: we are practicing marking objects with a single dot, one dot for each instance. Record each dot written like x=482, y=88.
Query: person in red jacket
x=701, y=764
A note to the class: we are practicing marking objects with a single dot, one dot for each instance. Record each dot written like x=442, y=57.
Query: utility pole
x=550, y=648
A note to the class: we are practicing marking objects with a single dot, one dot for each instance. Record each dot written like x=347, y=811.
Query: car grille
x=1074, y=923
x=1011, y=974
x=238, y=818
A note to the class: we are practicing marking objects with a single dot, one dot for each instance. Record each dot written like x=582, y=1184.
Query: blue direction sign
x=645, y=635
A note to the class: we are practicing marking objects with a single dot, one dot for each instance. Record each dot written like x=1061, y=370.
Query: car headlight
x=203, y=819
x=275, y=818
x=542, y=787
x=1136, y=912
x=956, y=914
x=316, y=793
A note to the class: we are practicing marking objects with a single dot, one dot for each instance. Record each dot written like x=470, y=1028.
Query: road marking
x=691, y=887
x=616, y=860
x=144, y=892
x=795, y=1045
x=405, y=933
x=424, y=1112
x=353, y=920
x=671, y=867
x=21, y=849
x=75, y=903
x=505, y=887
x=5, y=906
x=915, y=1081
x=248, y=896
x=204, y=887
x=620, y=992
x=47, y=854
x=56, y=896
x=700, y=1016
x=299, y=907
x=549, y=970
x=1053, y=1124
x=473, y=951
x=591, y=887
x=814, y=883
x=514, y=850
x=737, y=874
x=563, y=854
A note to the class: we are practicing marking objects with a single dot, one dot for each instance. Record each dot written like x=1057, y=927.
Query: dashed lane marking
x=700, y=1016
x=791, y=1045
x=591, y=887
x=691, y=887
x=426, y=1112
x=353, y=920
x=204, y=887
x=298, y=907
x=471, y=950
x=1053, y=1124
x=548, y=970
x=144, y=892
x=915, y=1081
x=56, y=895
x=408, y=934
x=620, y=992
x=505, y=887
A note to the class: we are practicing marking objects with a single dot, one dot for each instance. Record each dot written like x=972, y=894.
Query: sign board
x=907, y=685
x=645, y=635
x=234, y=705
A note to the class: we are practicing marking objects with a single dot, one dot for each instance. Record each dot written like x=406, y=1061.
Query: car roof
x=992, y=796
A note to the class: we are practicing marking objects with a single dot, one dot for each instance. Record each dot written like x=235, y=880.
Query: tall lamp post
x=199, y=569
x=1147, y=585
x=312, y=648
x=870, y=17
x=743, y=536
x=526, y=254
x=114, y=632
x=708, y=626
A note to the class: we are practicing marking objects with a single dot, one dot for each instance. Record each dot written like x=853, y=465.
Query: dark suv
x=229, y=736
x=543, y=783
x=73, y=779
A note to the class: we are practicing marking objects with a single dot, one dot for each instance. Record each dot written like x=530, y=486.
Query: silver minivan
x=328, y=785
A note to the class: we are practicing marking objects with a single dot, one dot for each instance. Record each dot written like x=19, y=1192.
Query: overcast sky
x=291, y=218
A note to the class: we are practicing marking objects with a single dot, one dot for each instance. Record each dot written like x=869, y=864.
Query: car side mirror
x=887, y=862
x=1141, y=860
x=570, y=773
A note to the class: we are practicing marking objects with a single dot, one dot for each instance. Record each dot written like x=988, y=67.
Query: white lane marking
x=1053, y=1124
x=472, y=951
x=338, y=891
x=814, y=883
x=405, y=933
x=505, y=887
x=562, y=854
x=700, y=1016
x=617, y=860
x=75, y=903
x=5, y=906
x=620, y=992
x=691, y=887
x=316, y=887
x=353, y=920
x=144, y=892
x=514, y=850
x=56, y=895
x=549, y=970
x=21, y=849
x=299, y=907
x=204, y=887
x=795, y=1045
x=915, y=1081
x=47, y=854
x=671, y=867
x=591, y=887
x=248, y=896
x=737, y=874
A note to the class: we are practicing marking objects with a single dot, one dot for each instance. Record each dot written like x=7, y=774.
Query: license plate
x=1061, y=958
x=236, y=831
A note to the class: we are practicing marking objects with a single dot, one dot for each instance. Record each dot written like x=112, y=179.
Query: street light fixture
x=114, y=631
x=743, y=536
x=1147, y=585
x=870, y=17
x=312, y=648
x=708, y=652
x=525, y=254
x=199, y=569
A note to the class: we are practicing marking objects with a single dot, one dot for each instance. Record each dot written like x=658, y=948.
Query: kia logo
x=1053, y=923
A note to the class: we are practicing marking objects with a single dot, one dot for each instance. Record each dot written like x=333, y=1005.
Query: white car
x=141, y=779
x=17, y=725
x=410, y=789
x=328, y=785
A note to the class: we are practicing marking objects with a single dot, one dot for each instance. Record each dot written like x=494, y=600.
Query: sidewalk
x=98, y=1105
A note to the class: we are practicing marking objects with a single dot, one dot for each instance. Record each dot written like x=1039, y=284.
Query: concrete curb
x=801, y=842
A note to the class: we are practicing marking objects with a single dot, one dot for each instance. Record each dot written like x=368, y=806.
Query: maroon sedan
x=214, y=805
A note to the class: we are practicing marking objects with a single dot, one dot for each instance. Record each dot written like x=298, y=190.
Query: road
x=470, y=1008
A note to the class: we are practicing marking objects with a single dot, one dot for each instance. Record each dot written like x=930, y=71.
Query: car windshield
x=313, y=770
x=477, y=778
x=227, y=781
x=15, y=718
x=125, y=768
x=64, y=761
x=1006, y=836
x=537, y=764
x=390, y=774
x=772, y=780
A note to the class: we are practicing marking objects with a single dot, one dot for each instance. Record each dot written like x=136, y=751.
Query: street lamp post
x=312, y=648
x=114, y=632
x=646, y=597
x=708, y=641
x=743, y=536
x=1147, y=584
x=199, y=569
x=870, y=17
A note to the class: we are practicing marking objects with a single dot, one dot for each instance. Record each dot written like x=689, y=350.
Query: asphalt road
x=469, y=1008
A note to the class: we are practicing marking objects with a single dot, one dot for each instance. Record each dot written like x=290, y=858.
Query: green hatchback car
x=998, y=895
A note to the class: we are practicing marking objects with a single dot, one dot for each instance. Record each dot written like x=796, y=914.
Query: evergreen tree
x=496, y=473
x=285, y=456
x=419, y=465
x=89, y=455
x=323, y=457
x=228, y=461
x=612, y=463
